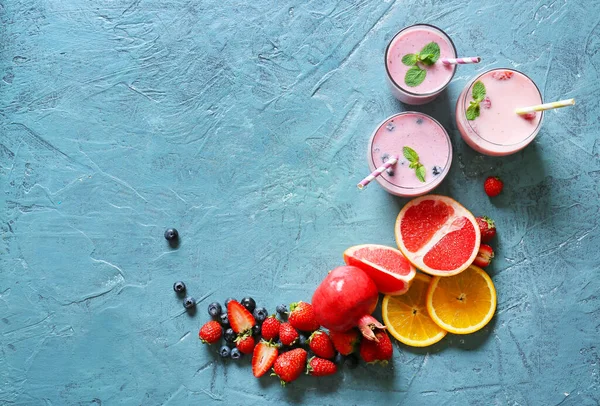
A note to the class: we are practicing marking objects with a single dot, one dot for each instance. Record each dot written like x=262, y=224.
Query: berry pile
x=291, y=343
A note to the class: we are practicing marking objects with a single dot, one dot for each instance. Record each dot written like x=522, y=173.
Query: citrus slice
x=406, y=316
x=464, y=303
x=437, y=235
x=387, y=267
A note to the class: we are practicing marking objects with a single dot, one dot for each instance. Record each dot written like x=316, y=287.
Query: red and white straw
x=460, y=61
x=390, y=162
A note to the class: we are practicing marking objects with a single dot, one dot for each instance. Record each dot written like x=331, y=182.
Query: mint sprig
x=474, y=108
x=428, y=56
x=412, y=157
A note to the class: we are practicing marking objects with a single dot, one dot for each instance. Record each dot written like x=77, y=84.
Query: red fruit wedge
x=437, y=235
x=263, y=358
x=240, y=319
x=389, y=269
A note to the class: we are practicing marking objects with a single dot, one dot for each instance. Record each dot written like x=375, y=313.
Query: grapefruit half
x=386, y=266
x=437, y=235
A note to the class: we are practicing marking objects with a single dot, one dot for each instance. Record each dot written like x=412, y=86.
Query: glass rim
x=448, y=157
x=467, y=91
x=387, y=69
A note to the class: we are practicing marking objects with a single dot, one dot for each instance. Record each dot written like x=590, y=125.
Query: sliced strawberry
x=263, y=358
x=240, y=319
x=484, y=256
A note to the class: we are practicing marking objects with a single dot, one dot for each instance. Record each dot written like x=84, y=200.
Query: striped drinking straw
x=545, y=106
x=460, y=61
x=391, y=162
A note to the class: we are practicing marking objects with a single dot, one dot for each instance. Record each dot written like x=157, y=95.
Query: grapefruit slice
x=386, y=266
x=437, y=235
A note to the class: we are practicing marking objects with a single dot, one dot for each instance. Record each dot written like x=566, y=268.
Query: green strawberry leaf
x=409, y=59
x=410, y=154
x=415, y=76
x=420, y=172
x=478, y=91
x=430, y=53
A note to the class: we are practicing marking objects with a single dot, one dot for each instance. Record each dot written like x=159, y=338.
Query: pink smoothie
x=421, y=133
x=410, y=41
x=499, y=130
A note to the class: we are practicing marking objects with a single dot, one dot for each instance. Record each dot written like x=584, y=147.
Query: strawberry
x=240, y=319
x=210, y=332
x=487, y=103
x=245, y=343
x=529, y=116
x=320, y=367
x=502, y=74
x=487, y=228
x=302, y=317
x=287, y=334
x=484, y=256
x=289, y=365
x=270, y=328
x=377, y=351
x=320, y=343
x=493, y=186
x=345, y=342
x=263, y=358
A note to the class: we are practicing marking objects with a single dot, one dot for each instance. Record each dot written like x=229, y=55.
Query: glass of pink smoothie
x=411, y=40
x=499, y=130
x=426, y=137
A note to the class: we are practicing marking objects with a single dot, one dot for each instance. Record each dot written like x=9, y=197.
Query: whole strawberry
x=345, y=343
x=377, y=351
x=245, y=343
x=270, y=328
x=287, y=334
x=320, y=343
x=302, y=317
x=487, y=228
x=211, y=332
x=320, y=367
x=289, y=365
x=484, y=256
x=493, y=186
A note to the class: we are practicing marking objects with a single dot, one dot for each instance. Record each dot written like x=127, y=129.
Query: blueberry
x=224, y=351
x=390, y=126
x=179, y=287
x=419, y=121
x=229, y=299
x=436, y=170
x=189, y=302
x=249, y=304
x=302, y=340
x=224, y=319
x=390, y=171
x=260, y=314
x=351, y=361
x=171, y=234
x=229, y=336
x=256, y=330
x=339, y=359
x=214, y=309
x=279, y=345
x=236, y=354
x=281, y=309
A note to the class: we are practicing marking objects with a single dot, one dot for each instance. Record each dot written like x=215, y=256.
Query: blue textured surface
x=245, y=125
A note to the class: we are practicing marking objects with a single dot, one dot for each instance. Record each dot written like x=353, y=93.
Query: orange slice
x=406, y=316
x=437, y=235
x=464, y=303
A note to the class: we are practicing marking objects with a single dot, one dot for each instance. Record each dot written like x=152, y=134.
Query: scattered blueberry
x=419, y=121
x=214, y=309
x=249, y=304
x=189, y=302
x=436, y=170
x=279, y=345
x=229, y=336
x=256, y=330
x=351, y=361
x=236, y=354
x=229, y=299
x=224, y=319
x=179, y=287
x=302, y=340
x=385, y=157
x=171, y=234
x=260, y=314
x=390, y=171
x=225, y=351
x=339, y=359
x=390, y=126
x=281, y=309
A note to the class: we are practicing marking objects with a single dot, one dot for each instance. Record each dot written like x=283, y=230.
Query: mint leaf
x=413, y=165
x=430, y=53
x=410, y=154
x=409, y=59
x=414, y=76
x=478, y=91
x=473, y=111
x=420, y=172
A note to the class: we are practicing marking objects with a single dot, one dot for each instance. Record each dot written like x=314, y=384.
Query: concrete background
x=244, y=124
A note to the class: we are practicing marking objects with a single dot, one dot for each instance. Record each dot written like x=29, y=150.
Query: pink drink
x=499, y=130
x=410, y=41
x=421, y=133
